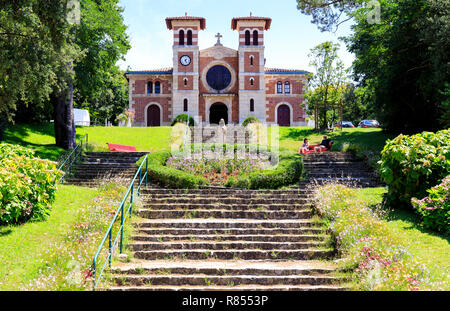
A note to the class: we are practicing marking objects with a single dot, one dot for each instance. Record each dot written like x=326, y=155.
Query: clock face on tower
x=185, y=60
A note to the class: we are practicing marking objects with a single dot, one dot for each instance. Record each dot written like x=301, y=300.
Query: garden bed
x=237, y=168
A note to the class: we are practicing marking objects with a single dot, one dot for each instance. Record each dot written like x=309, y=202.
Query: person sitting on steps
x=305, y=146
x=326, y=144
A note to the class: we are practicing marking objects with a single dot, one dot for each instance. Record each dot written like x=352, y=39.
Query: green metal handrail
x=143, y=176
x=73, y=156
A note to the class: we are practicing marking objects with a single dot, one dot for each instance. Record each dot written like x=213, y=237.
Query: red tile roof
x=251, y=18
x=193, y=18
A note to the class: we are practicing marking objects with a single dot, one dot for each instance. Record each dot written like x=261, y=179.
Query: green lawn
x=429, y=247
x=40, y=138
x=21, y=246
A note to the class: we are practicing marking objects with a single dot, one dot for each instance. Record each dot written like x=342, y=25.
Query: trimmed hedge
x=250, y=120
x=410, y=165
x=27, y=185
x=170, y=177
x=182, y=118
x=288, y=172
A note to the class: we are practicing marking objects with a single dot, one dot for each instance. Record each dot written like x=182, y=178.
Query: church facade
x=218, y=82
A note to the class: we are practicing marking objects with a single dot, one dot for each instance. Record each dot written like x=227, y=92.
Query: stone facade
x=218, y=82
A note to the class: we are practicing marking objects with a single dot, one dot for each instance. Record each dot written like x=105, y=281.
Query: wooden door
x=284, y=115
x=153, y=116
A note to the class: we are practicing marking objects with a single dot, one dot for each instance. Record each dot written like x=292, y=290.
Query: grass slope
x=21, y=246
x=41, y=138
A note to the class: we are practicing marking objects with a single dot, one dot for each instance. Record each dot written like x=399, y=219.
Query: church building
x=218, y=82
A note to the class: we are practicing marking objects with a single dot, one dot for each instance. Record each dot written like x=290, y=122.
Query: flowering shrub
x=412, y=164
x=218, y=170
x=27, y=185
x=379, y=259
x=435, y=208
x=67, y=265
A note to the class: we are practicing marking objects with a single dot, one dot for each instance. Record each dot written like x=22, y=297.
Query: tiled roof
x=201, y=19
x=250, y=18
x=151, y=71
x=285, y=71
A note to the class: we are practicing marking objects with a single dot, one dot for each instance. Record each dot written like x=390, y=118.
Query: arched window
x=251, y=60
x=185, y=105
x=287, y=88
x=252, y=105
x=252, y=81
x=280, y=88
x=181, y=37
x=247, y=37
x=185, y=81
x=157, y=87
x=189, y=37
x=255, y=37
x=149, y=87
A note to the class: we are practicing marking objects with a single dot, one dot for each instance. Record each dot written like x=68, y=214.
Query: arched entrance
x=153, y=116
x=218, y=111
x=284, y=115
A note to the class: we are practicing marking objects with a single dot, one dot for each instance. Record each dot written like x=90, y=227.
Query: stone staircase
x=211, y=134
x=339, y=167
x=227, y=239
x=98, y=167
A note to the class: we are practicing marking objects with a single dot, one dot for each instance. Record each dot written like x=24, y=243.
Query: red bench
x=121, y=148
x=311, y=149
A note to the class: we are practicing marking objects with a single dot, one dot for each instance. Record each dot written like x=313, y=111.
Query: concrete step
x=243, y=254
x=230, y=245
x=250, y=288
x=248, y=214
x=227, y=191
x=197, y=232
x=269, y=202
x=207, y=205
x=227, y=223
x=235, y=280
x=229, y=237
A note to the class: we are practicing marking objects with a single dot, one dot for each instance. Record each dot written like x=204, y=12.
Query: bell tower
x=252, y=96
x=185, y=63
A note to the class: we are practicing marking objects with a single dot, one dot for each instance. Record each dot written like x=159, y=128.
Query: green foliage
x=250, y=120
x=412, y=164
x=27, y=185
x=170, y=177
x=288, y=172
x=435, y=208
x=404, y=59
x=370, y=156
x=377, y=256
x=182, y=118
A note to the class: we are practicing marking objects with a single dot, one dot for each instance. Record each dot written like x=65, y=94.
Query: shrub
x=250, y=120
x=170, y=177
x=363, y=153
x=435, y=208
x=378, y=258
x=412, y=164
x=182, y=118
x=27, y=185
x=288, y=171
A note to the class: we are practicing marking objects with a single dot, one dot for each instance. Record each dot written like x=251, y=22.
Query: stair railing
x=67, y=164
x=125, y=209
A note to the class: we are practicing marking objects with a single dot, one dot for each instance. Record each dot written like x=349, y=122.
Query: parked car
x=369, y=124
x=345, y=124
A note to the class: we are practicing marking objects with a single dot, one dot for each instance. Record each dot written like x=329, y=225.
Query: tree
x=324, y=89
x=34, y=48
x=405, y=59
x=328, y=14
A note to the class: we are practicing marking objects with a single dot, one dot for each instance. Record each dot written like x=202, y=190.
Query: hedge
x=182, y=118
x=27, y=185
x=410, y=165
x=250, y=120
x=288, y=172
x=170, y=177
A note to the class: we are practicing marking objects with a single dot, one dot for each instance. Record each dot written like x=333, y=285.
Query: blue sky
x=287, y=43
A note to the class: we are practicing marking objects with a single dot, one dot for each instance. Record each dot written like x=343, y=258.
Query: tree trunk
x=64, y=120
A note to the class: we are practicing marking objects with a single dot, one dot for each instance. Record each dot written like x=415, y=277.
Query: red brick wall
x=296, y=85
x=232, y=61
x=247, y=66
x=202, y=108
x=139, y=85
x=248, y=85
x=235, y=112
x=141, y=102
x=298, y=113
x=185, y=28
x=188, y=86
x=189, y=68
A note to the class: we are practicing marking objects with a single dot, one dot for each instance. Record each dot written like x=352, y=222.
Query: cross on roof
x=218, y=36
